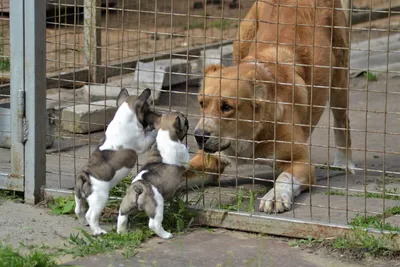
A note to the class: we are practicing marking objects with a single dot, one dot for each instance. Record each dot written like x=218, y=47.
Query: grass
x=375, y=222
x=370, y=76
x=10, y=257
x=220, y=24
x=392, y=194
x=11, y=195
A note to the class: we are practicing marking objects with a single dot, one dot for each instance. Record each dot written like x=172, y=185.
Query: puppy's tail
x=83, y=187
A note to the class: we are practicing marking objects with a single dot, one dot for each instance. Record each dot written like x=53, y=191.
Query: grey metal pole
x=92, y=14
x=35, y=98
x=17, y=91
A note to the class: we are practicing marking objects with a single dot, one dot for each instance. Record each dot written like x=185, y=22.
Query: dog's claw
x=269, y=203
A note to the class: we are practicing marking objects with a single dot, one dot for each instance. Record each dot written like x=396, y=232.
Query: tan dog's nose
x=201, y=137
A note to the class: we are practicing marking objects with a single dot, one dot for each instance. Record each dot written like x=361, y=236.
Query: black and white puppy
x=160, y=177
x=125, y=137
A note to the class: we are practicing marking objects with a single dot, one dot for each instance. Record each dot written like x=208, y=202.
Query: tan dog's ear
x=213, y=68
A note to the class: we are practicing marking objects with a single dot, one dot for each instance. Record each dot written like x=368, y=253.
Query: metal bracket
x=22, y=122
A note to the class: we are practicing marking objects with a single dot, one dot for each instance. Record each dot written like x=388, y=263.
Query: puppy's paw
x=166, y=235
x=99, y=232
x=276, y=201
x=342, y=163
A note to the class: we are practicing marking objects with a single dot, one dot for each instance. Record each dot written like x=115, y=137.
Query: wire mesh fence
x=166, y=46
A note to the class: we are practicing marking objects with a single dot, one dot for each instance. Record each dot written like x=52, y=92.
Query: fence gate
x=25, y=118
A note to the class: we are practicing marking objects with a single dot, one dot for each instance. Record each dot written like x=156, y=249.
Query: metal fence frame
x=28, y=85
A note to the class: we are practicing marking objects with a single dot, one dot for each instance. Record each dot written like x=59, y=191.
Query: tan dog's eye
x=225, y=107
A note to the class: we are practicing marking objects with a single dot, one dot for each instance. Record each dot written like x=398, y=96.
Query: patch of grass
x=392, y=211
x=375, y=222
x=364, y=243
x=221, y=24
x=375, y=156
x=10, y=257
x=62, y=205
x=12, y=195
x=83, y=244
x=194, y=25
x=370, y=76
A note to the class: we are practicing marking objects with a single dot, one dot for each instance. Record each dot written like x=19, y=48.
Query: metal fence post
x=92, y=31
x=17, y=87
x=35, y=100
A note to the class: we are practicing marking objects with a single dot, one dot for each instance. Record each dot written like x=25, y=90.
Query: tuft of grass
x=370, y=76
x=10, y=257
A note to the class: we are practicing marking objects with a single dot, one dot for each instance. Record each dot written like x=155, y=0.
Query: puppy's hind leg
x=80, y=210
x=97, y=201
x=156, y=218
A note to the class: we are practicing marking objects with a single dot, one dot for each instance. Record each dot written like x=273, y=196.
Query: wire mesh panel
x=269, y=131
x=5, y=110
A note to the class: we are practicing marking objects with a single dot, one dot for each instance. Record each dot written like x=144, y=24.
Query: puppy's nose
x=201, y=136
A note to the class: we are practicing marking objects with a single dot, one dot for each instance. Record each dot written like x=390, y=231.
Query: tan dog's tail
x=83, y=187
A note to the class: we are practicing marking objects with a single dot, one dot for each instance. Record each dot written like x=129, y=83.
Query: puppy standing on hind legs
x=112, y=161
x=160, y=176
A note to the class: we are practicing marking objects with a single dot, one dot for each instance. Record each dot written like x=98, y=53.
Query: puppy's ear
x=144, y=95
x=177, y=123
x=123, y=94
x=212, y=68
x=153, y=119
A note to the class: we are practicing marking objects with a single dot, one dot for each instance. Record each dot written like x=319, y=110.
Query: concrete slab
x=214, y=56
x=95, y=93
x=59, y=98
x=76, y=119
x=158, y=74
x=393, y=220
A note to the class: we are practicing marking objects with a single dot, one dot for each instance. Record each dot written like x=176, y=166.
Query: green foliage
x=10, y=257
x=370, y=76
x=309, y=242
x=375, y=222
x=62, y=205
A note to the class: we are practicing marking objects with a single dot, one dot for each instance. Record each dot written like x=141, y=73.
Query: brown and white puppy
x=267, y=106
x=160, y=177
x=125, y=137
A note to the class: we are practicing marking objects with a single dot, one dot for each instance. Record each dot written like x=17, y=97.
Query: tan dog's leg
x=341, y=120
x=246, y=35
x=201, y=163
x=294, y=179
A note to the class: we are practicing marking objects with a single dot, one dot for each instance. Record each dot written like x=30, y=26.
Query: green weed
x=221, y=24
x=370, y=76
x=375, y=222
x=62, y=205
x=12, y=195
x=195, y=25
x=10, y=257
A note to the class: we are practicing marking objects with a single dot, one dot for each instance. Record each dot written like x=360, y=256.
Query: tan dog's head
x=175, y=123
x=139, y=105
x=230, y=100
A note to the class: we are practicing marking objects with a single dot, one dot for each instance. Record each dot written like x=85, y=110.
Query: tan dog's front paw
x=281, y=202
x=280, y=198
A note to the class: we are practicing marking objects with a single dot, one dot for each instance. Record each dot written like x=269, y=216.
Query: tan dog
x=267, y=105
